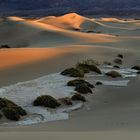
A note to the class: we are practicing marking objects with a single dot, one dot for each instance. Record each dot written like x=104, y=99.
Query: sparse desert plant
x=20, y=110
x=99, y=83
x=4, y=46
x=0, y=115
x=11, y=114
x=115, y=66
x=78, y=97
x=89, y=62
x=83, y=89
x=113, y=74
x=88, y=67
x=66, y=101
x=15, y=111
x=138, y=72
x=107, y=63
x=118, y=61
x=46, y=101
x=136, y=67
x=6, y=103
x=78, y=82
x=120, y=56
x=83, y=68
x=73, y=72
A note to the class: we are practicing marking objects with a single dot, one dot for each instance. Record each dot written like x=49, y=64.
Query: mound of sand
x=72, y=21
x=18, y=32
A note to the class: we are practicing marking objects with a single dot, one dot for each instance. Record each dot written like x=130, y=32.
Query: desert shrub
x=115, y=66
x=4, y=46
x=88, y=67
x=136, y=67
x=78, y=97
x=78, y=82
x=107, y=63
x=5, y=102
x=73, y=72
x=11, y=114
x=15, y=111
x=120, y=56
x=46, y=101
x=118, y=61
x=89, y=62
x=113, y=74
x=138, y=72
x=0, y=115
x=83, y=89
x=20, y=110
x=83, y=68
x=66, y=101
x=99, y=83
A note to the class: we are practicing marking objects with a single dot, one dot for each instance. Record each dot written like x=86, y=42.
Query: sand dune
x=19, y=32
x=74, y=21
x=52, y=31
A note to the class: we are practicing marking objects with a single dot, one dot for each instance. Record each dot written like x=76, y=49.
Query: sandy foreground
x=113, y=113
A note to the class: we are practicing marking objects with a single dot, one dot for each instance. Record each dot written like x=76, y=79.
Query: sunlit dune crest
x=111, y=20
x=56, y=30
x=72, y=21
x=13, y=18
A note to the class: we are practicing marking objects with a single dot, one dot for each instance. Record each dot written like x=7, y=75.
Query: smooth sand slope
x=112, y=112
x=18, y=32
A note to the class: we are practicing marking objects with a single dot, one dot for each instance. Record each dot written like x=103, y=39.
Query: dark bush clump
x=46, y=101
x=113, y=74
x=107, y=63
x=78, y=82
x=5, y=102
x=11, y=110
x=118, y=67
x=4, y=46
x=118, y=61
x=66, y=101
x=99, y=83
x=136, y=67
x=73, y=72
x=84, y=69
x=20, y=110
x=120, y=55
x=0, y=116
x=83, y=89
x=78, y=97
x=138, y=72
x=10, y=113
x=88, y=67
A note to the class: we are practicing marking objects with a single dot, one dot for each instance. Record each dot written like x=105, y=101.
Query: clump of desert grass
x=137, y=67
x=83, y=89
x=98, y=83
x=78, y=82
x=5, y=46
x=78, y=97
x=120, y=56
x=46, y=101
x=73, y=72
x=113, y=74
x=89, y=65
x=11, y=110
x=118, y=61
x=66, y=101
